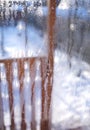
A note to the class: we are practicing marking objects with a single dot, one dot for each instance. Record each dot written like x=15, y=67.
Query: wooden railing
x=18, y=84
x=21, y=76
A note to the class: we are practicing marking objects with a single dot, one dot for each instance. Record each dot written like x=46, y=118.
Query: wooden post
x=51, y=42
x=46, y=121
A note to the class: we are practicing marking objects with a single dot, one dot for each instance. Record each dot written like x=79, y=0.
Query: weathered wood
x=21, y=70
x=46, y=98
x=51, y=42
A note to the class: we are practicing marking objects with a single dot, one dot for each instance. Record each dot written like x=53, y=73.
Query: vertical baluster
x=8, y=67
x=27, y=95
x=21, y=78
x=16, y=97
x=33, y=71
x=43, y=92
x=5, y=98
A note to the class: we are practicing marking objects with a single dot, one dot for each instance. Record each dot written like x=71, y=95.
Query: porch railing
x=20, y=81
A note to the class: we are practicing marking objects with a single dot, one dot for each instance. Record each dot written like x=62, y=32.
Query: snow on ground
x=14, y=37
x=71, y=98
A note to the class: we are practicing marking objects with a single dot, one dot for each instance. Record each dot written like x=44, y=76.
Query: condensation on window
x=45, y=64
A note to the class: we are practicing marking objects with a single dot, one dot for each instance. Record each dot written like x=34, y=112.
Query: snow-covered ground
x=71, y=98
x=15, y=37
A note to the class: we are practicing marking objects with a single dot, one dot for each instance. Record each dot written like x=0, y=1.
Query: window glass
x=45, y=64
